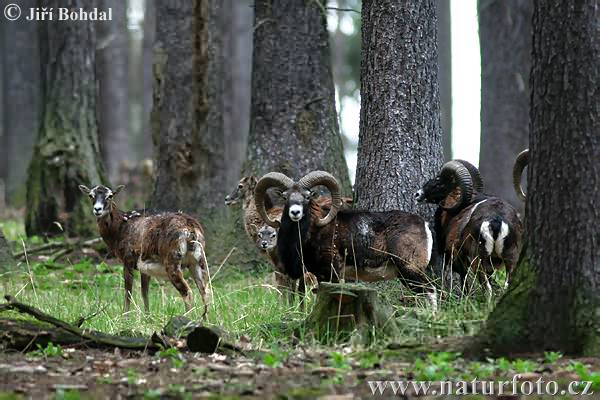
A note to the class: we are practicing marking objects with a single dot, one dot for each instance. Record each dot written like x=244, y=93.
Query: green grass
x=244, y=303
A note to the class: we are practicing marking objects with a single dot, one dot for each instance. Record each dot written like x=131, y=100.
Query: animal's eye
x=273, y=235
x=240, y=186
x=91, y=197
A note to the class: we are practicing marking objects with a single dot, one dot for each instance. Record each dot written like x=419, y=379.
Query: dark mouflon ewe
x=473, y=230
x=336, y=243
x=159, y=245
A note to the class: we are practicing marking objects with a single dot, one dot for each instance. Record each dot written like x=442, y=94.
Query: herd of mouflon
x=308, y=237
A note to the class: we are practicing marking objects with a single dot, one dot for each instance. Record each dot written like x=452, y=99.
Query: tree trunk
x=343, y=310
x=236, y=25
x=294, y=127
x=67, y=152
x=445, y=74
x=505, y=38
x=188, y=128
x=400, y=143
x=113, y=78
x=3, y=145
x=148, y=78
x=22, y=93
x=554, y=301
x=6, y=257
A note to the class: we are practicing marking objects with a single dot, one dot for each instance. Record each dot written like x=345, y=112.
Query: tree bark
x=236, y=24
x=6, y=257
x=294, y=127
x=67, y=151
x=400, y=143
x=188, y=126
x=22, y=94
x=505, y=38
x=146, y=149
x=554, y=301
x=343, y=310
x=445, y=74
x=113, y=78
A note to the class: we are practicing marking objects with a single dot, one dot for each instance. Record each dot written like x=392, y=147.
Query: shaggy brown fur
x=158, y=245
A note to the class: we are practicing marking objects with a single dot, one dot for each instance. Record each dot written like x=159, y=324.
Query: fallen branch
x=59, y=249
x=99, y=338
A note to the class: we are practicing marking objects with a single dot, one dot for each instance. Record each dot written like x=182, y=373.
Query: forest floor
x=287, y=361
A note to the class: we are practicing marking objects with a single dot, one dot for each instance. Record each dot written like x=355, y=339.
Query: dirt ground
x=86, y=373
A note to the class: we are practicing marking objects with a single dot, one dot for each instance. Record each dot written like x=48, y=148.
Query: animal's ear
x=84, y=189
x=118, y=189
x=252, y=181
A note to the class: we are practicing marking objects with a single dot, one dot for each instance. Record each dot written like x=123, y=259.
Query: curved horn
x=475, y=175
x=520, y=163
x=455, y=169
x=316, y=178
x=272, y=179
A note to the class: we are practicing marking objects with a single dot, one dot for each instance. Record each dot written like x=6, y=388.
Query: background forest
x=183, y=102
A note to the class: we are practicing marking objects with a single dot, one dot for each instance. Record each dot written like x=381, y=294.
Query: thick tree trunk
x=146, y=148
x=445, y=74
x=188, y=128
x=554, y=301
x=294, y=127
x=22, y=93
x=3, y=146
x=113, y=78
x=400, y=142
x=67, y=152
x=505, y=38
x=236, y=25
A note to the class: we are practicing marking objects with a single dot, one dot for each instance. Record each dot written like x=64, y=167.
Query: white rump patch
x=153, y=269
x=429, y=242
x=486, y=232
x=501, y=236
x=491, y=245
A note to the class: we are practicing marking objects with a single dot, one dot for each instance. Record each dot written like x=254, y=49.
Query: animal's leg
x=285, y=286
x=302, y=291
x=484, y=281
x=128, y=278
x=197, y=274
x=509, y=271
x=145, y=287
x=418, y=282
x=176, y=277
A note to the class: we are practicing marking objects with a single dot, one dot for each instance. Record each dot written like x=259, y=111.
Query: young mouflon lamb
x=158, y=245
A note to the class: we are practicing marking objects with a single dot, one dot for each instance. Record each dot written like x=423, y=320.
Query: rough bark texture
x=236, y=25
x=3, y=152
x=505, y=38
x=147, y=149
x=445, y=74
x=554, y=302
x=6, y=258
x=400, y=142
x=294, y=127
x=342, y=310
x=188, y=128
x=22, y=91
x=67, y=152
x=113, y=79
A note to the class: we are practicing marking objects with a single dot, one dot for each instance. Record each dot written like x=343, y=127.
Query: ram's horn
x=272, y=179
x=317, y=178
